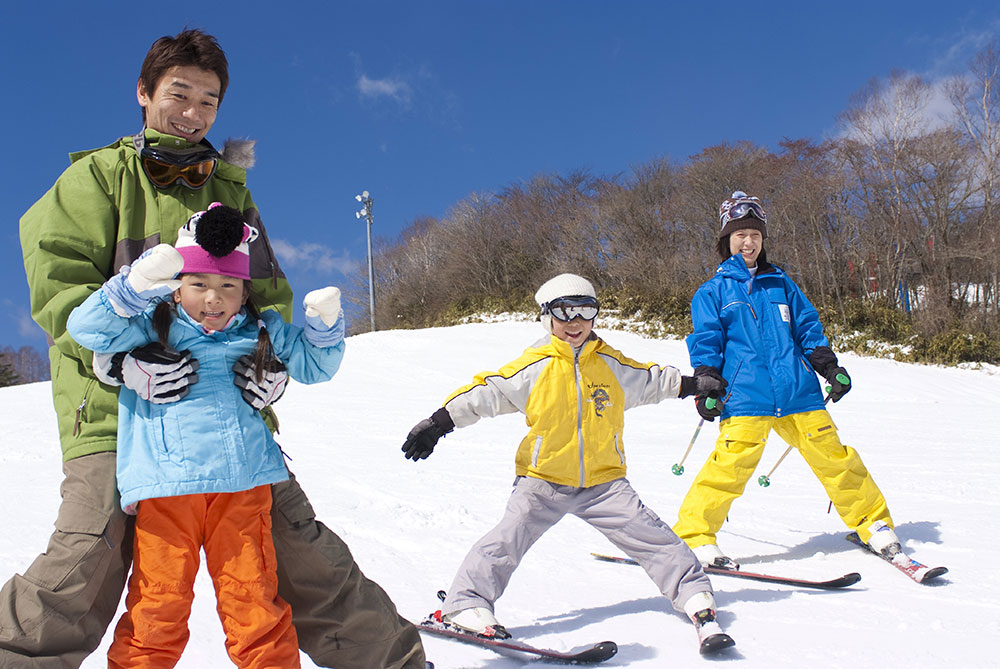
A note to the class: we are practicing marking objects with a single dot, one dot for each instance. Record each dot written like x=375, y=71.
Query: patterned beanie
x=216, y=241
x=740, y=211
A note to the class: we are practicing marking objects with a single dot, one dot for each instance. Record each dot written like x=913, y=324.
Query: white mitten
x=325, y=303
x=150, y=276
x=324, y=317
x=154, y=271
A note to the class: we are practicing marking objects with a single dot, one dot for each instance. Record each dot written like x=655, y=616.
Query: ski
x=919, y=572
x=593, y=655
x=711, y=638
x=833, y=584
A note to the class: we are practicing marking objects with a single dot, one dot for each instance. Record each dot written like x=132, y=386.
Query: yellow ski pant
x=738, y=450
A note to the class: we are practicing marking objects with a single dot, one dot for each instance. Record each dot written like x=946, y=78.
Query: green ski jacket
x=100, y=214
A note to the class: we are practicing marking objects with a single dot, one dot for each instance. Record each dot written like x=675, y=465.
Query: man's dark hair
x=189, y=47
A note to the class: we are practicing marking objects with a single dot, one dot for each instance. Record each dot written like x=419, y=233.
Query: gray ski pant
x=56, y=614
x=613, y=508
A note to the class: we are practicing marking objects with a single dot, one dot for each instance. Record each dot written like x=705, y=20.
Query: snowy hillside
x=929, y=435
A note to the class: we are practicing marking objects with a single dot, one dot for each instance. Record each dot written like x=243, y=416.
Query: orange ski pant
x=235, y=530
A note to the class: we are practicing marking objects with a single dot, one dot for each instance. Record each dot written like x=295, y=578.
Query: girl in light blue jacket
x=197, y=471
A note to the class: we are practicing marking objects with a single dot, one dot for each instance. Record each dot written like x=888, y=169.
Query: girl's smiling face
x=211, y=299
x=747, y=242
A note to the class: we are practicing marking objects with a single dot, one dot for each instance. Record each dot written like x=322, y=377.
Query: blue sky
x=424, y=103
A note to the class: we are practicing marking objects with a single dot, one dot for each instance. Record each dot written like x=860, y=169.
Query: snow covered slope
x=929, y=435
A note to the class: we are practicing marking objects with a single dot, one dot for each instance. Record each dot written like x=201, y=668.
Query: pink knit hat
x=216, y=241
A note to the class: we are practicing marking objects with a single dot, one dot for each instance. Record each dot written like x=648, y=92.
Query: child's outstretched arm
x=104, y=322
x=311, y=354
x=648, y=383
x=490, y=394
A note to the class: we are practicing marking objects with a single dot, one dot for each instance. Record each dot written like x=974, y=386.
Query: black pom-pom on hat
x=220, y=230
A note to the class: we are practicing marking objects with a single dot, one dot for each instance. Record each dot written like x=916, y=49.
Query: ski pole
x=678, y=468
x=765, y=479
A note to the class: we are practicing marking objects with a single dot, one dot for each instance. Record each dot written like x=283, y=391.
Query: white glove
x=150, y=276
x=324, y=303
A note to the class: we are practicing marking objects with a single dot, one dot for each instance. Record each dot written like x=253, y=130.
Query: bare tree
x=880, y=126
x=976, y=99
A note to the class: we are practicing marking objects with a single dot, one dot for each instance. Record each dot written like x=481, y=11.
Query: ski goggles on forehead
x=742, y=210
x=567, y=308
x=192, y=167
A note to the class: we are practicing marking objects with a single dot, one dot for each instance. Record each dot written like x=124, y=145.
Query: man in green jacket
x=109, y=206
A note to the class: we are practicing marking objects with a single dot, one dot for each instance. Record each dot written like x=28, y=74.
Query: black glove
x=706, y=382
x=157, y=374
x=708, y=407
x=422, y=438
x=824, y=361
x=265, y=392
x=840, y=383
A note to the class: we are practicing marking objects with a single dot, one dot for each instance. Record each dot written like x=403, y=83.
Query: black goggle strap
x=201, y=153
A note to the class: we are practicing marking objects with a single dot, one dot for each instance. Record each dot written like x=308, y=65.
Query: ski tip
x=608, y=646
x=850, y=579
x=598, y=653
x=933, y=573
x=716, y=644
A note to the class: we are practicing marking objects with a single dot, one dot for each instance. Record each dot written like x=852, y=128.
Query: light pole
x=366, y=211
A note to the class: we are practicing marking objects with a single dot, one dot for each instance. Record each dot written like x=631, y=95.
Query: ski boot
x=701, y=610
x=478, y=620
x=709, y=555
x=883, y=540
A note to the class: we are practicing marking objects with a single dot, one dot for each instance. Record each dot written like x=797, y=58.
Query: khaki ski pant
x=56, y=614
x=613, y=508
x=737, y=452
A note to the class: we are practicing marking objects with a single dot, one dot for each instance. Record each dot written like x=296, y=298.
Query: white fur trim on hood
x=239, y=152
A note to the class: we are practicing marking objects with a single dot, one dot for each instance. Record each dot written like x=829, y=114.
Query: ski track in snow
x=925, y=432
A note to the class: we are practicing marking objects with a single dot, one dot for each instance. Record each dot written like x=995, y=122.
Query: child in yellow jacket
x=573, y=390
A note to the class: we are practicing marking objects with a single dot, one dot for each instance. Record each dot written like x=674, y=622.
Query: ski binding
x=919, y=572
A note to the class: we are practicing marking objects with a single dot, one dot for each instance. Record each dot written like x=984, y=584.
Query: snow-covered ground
x=928, y=434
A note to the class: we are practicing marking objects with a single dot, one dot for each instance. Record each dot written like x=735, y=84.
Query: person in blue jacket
x=754, y=327
x=197, y=472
